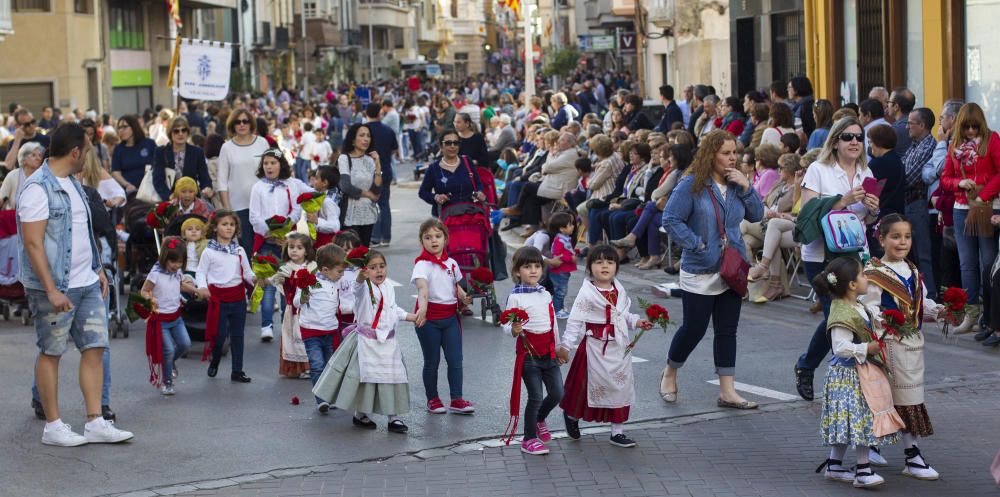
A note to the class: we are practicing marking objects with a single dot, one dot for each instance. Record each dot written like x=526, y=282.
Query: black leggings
x=531, y=204
x=364, y=233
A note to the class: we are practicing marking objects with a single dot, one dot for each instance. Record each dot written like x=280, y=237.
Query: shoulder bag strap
x=718, y=219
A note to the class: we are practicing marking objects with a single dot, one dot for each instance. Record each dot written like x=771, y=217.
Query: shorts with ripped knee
x=86, y=324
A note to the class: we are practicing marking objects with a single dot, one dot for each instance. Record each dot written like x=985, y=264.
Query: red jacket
x=986, y=171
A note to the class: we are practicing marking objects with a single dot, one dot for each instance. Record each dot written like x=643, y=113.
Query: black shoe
x=239, y=377
x=397, y=426
x=572, y=427
x=992, y=341
x=671, y=270
x=983, y=335
x=365, y=423
x=213, y=368
x=107, y=413
x=620, y=440
x=39, y=411
x=510, y=226
x=804, y=383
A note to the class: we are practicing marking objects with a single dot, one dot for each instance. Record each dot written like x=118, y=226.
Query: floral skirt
x=341, y=385
x=917, y=421
x=846, y=419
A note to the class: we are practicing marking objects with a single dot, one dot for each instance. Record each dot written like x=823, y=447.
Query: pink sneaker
x=436, y=406
x=461, y=406
x=534, y=447
x=543, y=431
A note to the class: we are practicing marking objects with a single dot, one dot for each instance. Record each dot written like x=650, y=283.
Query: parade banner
x=204, y=69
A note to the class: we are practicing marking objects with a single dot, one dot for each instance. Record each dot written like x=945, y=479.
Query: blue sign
x=364, y=94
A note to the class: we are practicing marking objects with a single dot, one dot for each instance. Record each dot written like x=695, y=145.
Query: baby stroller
x=469, y=233
x=117, y=320
x=12, y=297
x=141, y=248
x=194, y=310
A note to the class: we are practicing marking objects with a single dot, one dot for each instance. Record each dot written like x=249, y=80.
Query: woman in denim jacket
x=690, y=219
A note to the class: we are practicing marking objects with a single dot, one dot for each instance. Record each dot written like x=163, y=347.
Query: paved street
x=214, y=429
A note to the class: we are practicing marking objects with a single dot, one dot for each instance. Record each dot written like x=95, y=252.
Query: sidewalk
x=724, y=454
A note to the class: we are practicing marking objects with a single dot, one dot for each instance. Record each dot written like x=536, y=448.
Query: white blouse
x=843, y=340
x=440, y=283
x=348, y=282
x=321, y=311
x=828, y=180
x=328, y=217
x=265, y=204
x=223, y=269
x=166, y=290
x=536, y=304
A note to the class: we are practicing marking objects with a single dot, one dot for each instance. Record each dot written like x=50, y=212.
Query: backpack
x=843, y=232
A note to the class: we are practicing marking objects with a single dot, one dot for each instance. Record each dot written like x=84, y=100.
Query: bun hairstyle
x=885, y=225
x=836, y=279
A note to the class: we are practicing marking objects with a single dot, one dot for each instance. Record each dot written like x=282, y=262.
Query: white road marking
x=763, y=392
x=636, y=360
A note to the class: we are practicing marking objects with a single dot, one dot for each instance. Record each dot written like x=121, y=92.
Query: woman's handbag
x=733, y=268
x=147, y=192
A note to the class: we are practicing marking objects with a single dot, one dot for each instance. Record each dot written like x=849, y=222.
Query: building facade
x=330, y=49
x=768, y=43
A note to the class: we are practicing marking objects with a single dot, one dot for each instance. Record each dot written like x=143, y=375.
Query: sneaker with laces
x=543, y=431
x=620, y=440
x=917, y=467
x=562, y=314
x=534, y=447
x=102, y=431
x=168, y=390
x=864, y=477
x=62, y=435
x=461, y=406
x=875, y=457
x=435, y=406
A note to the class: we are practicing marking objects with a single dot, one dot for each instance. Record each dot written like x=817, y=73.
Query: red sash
x=437, y=311
x=323, y=239
x=219, y=296
x=154, y=345
x=311, y=333
x=541, y=345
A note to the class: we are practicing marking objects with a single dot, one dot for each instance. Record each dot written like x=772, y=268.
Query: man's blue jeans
x=921, y=248
x=319, y=350
x=819, y=345
x=975, y=256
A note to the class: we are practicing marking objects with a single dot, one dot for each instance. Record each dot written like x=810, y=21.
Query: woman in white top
x=780, y=121
x=360, y=181
x=29, y=158
x=841, y=168
x=238, y=161
x=95, y=176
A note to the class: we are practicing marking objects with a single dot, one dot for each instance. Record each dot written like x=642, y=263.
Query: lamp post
x=529, y=52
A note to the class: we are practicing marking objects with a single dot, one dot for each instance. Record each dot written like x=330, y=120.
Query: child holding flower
x=439, y=296
x=318, y=313
x=599, y=386
x=898, y=288
x=273, y=197
x=327, y=220
x=293, y=361
x=530, y=319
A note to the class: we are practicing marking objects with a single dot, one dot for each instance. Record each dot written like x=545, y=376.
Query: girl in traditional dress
x=366, y=374
x=436, y=277
x=898, y=285
x=599, y=386
x=293, y=361
x=222, y=271
x=857, y=403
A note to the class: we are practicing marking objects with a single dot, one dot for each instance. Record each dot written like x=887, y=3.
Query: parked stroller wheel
x=6, y=312
x=482, y=309
x=496, y=315
x=124, y=328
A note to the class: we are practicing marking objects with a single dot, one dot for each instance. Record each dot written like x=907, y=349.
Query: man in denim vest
x=66, y=288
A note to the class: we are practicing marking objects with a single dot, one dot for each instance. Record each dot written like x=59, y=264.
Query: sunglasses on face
x=451, y=143
x=178, y=131
x=29, y=123
x=847, y=137
x=242, y=122
x=971, y=126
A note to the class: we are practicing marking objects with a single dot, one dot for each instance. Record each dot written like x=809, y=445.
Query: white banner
x=204, y=70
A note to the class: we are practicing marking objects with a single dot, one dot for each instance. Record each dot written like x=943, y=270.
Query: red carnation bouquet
x=138, y=307
x=358, y=257
x=311, y=202
x=279, y=226
x=955, y=307
x=481, y=279
x=304, y=280
x=516, y=315
x=161, y=215
x=657, y=315
x=264, y=267
x=896, y=325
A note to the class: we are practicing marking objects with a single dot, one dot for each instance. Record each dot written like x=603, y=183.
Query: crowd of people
x=880, y=204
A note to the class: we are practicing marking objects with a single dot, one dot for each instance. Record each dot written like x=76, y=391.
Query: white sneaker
x=917, y=467
x=103, y=431
x=864, y=477
x=663, y=289
x=562, y=314
x=875, y=457
x=167, y=390
x=62, y=435
x=266, y=333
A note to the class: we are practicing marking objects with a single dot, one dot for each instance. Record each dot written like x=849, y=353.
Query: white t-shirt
x=709, y=283
x=166, y=290
x=323, y=150
x=110, y=189
x=33, y=206
x=829, y=180
x=238, y=170
x=440, y=283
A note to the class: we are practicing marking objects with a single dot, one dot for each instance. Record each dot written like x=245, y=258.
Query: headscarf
x=185, y=183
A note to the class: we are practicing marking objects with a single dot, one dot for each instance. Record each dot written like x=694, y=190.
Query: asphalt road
x=214, y=428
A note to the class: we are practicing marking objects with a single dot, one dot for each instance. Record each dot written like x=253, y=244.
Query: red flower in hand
x=656, y=312
x=954, y=295
x=305, y=197
x=316, y=158
x=151, y=220
x=268, y=259
x=278, y=219
x=894, y=317
x=304, y=279
x=482, y=275
x=161, y=208
x=358, y=253
x=513, y=315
